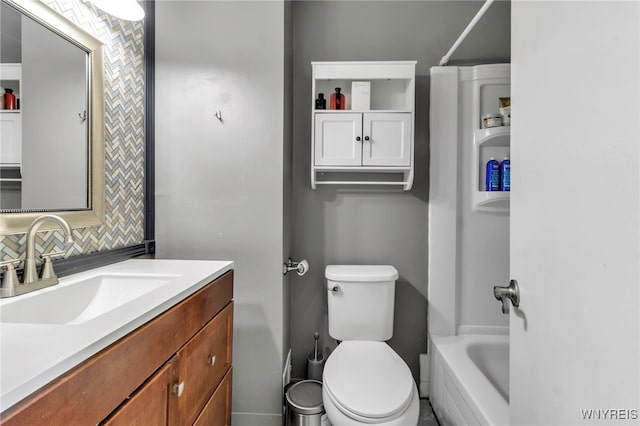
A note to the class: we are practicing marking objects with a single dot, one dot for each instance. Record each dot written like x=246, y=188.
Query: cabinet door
x=10, y=138
x=148, y=406
x=217, y=412
x=387, y=139
x=338, y=139
x=203, y=362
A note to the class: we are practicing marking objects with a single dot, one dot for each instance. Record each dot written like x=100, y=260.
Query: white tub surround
x=468, y=227
x=34, y=353
x=470, y=379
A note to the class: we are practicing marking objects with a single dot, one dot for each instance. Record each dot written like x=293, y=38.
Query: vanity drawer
x=203, y=362
x=148, y=406
x=217, y=412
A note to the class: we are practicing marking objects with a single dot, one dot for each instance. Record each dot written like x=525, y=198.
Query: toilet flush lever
x=512, y=292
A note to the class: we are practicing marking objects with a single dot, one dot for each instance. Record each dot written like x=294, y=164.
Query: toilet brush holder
x=315, y=367
x=315, y=361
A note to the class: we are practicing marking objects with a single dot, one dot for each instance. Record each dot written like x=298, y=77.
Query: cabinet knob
x=358, y=138
x=178, y=388
x=366, y=138
x=212, y=360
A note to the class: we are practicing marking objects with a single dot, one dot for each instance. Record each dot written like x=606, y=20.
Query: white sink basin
x=82, y=300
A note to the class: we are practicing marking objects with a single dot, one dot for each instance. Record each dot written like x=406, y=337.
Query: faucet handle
x=53, y=254
x=10, y=279
x=47, y=266
x=10, y=264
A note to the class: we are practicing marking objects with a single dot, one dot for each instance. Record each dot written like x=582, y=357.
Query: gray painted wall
x=220, y=186
x=10, y=35
x=54, y=139
x=340, y=225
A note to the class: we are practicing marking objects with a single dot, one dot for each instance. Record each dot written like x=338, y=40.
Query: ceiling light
x=128, y=10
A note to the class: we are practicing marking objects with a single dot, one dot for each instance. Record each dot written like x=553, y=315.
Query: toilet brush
x=315, y=361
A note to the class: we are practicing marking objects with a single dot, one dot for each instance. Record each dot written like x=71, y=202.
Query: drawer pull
x=178, y=388
x=212, y=360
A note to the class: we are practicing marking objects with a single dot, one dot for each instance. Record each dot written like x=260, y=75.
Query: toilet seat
x=368, y=382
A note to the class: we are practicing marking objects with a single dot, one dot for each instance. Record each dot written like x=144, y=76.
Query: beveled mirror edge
x=17, y=223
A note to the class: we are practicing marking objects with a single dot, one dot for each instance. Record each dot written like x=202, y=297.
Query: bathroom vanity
x=160, y=357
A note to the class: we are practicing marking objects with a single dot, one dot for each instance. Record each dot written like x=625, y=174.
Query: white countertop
x=32, y=355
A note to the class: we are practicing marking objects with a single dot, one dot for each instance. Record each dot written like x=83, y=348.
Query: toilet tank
x=361, y=301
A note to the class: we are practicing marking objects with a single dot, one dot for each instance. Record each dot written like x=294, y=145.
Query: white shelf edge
x=370, y=169
x=359, y=182
x=357, y=111
x=491, y=201
x=482, y=135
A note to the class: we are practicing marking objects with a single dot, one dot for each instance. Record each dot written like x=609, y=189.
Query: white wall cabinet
x=364, y=147
x=369, y=139
x=10, y=120
x=11, y=138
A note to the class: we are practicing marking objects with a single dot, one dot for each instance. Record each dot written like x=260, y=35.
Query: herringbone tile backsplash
x=124, y=138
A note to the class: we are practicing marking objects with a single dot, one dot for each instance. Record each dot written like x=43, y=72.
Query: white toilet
x=364, y=380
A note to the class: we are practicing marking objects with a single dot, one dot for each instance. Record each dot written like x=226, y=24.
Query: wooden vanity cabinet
x=173, y=370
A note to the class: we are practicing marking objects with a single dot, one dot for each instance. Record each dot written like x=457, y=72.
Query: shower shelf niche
x=489, y=84
x=493, y=142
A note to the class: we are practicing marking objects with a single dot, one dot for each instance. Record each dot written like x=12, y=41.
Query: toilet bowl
x=366, y=382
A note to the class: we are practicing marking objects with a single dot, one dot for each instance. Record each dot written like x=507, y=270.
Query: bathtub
x=470, y=379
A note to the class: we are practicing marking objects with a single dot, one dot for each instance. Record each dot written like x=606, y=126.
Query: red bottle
x=337, y=100
x=9, y=99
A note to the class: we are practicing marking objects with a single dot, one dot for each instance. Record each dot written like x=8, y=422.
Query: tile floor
x=427, y=418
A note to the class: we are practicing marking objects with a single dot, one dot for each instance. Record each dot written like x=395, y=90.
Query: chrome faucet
x=31, y=280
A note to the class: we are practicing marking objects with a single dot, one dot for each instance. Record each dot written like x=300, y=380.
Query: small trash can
x=304, y=404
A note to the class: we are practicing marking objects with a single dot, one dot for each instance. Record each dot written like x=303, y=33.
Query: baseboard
x=256, y=419
x=424, y=375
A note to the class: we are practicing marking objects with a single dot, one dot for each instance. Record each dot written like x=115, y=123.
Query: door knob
x=512, y=293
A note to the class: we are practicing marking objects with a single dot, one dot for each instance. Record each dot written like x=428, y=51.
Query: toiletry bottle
x=505, y=174
x=9, y=99
x=492, y=181
x=337, y=100
x=321, y=102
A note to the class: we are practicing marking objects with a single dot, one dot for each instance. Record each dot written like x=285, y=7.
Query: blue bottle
x=492, y=181
x=505, y=174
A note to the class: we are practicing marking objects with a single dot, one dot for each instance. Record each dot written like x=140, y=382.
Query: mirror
x=51, y=118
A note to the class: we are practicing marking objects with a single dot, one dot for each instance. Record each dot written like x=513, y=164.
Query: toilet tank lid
x=361, y=273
